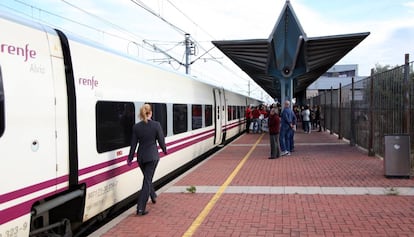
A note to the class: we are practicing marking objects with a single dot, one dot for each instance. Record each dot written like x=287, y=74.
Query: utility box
x=397, y=162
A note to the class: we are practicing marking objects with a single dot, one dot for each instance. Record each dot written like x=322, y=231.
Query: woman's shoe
x=153, y=198
x=141, y=213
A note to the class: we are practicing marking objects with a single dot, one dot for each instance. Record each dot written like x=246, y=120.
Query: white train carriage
x=66, y=112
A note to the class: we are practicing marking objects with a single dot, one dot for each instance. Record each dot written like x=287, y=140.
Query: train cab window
x=208, y=115
x=196, y=116
x=180, y=118
x=114, y=121
x=159, y=113
x=2, y=116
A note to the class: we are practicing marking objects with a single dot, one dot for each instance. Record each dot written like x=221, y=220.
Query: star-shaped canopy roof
x=288, y=54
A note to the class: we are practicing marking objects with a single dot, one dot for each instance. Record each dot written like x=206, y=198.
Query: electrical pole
x=188, y=45
x=248, y=86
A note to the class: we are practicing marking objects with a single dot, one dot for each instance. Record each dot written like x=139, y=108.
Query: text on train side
x=25, y=52
x=89, y=82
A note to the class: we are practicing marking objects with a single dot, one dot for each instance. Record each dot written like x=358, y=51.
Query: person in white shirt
x=306, y=119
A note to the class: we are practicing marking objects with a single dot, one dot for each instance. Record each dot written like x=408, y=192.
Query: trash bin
x=397, y=161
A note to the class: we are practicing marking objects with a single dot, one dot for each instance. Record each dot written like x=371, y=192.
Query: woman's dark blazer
x=147, y=135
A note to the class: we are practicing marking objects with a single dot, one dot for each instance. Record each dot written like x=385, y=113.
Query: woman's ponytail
x=144, y=112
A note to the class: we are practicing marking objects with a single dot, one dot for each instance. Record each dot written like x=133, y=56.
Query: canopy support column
x=286, y=90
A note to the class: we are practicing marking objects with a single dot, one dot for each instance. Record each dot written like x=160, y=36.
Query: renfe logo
x=25, y=52
x=92, y=82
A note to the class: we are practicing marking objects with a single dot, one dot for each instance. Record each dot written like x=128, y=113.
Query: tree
x=380, y=68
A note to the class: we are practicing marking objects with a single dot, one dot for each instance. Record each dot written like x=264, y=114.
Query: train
x=67, y=106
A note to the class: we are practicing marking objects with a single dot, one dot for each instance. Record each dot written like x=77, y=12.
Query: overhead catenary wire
x=200, y=45
x=71, y=20
x=148, y=9
x=189, y=18
x=135, y=38
x=115, y=26
x=122, y=29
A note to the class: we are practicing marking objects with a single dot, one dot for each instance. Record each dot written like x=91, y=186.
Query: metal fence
x=366, y=111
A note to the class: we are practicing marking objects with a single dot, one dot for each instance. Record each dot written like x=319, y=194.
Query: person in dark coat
x=146, y=132
x=274, y=130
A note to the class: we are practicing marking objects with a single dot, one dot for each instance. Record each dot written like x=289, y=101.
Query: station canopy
x=288, y=54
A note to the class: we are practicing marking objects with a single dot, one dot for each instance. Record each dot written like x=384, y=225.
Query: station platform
x=324, y=188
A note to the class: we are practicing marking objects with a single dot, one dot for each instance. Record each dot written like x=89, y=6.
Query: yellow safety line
x=200, y=218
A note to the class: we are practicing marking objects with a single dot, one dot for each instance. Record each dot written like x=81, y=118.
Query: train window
x=2, y=116
x=231, y=112
x=180, y=118
x=234, y=112
x=114, y=121
x=159, y=113
x=196, y=116
x=208, y=115
x=239, y=112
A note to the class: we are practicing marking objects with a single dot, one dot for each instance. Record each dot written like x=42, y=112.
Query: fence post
x=340, y=113
x=331, y=113
x=371, y=116
x=352, y=141
x=407, y=119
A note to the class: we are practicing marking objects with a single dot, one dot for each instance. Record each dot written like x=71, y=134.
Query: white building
x=335, y=76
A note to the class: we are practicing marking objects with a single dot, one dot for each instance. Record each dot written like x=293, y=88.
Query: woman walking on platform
x=146, y=132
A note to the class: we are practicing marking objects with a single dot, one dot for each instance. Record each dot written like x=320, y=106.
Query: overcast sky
x=124, y=25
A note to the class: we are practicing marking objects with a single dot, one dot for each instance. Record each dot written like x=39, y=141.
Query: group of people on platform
x=281, y=124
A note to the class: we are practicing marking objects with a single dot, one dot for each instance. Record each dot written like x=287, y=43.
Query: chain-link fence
x=366, y=111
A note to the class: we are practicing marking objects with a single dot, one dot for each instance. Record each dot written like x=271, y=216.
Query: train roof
x=35, y=24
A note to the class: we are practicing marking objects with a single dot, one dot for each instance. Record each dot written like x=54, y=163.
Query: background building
x=335, y=76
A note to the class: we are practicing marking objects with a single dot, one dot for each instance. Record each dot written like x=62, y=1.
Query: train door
x=61, y=108
x=224, y=115
x=217, y=116
x=28, y=139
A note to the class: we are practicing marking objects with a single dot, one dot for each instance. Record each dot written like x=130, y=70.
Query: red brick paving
x=243, y=214
x=310, y=215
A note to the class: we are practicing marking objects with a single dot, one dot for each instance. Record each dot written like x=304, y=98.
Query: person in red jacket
x=274, y=130
x=255, y=116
